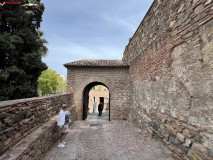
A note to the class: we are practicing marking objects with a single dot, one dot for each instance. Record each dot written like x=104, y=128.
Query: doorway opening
x=93, y=94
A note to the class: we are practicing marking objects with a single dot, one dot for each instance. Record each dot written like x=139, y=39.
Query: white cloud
x=63, y=50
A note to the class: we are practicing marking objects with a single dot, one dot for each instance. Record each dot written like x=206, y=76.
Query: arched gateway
x=86, y=98
x=113, y=74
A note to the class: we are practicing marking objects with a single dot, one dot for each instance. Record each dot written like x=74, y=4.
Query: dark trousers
x=100, y=112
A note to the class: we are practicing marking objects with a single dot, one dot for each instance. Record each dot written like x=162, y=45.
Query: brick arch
x=85, y=97
x=91, y=80
x=112, y=73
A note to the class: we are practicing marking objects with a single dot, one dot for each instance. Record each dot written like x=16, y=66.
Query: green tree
x=21, y=50
x=61, y=85
x=49, y=81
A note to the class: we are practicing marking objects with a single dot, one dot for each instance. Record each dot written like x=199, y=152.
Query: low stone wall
x=35, y=145
x=18, y=118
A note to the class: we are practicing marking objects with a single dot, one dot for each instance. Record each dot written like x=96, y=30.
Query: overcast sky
x=89, y=29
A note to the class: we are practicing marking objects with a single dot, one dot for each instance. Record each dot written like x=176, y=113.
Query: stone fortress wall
x=171, y=71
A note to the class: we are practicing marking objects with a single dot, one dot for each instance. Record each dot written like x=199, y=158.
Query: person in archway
x=63, y=122
x=100, y=108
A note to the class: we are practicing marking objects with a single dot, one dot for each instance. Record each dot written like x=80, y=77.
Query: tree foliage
x=49, y=81
x=21, y=50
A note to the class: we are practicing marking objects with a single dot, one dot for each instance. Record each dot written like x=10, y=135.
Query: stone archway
x=114, y=74
x=85, y=98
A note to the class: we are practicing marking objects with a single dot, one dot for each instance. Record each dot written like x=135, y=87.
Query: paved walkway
x=98, y=139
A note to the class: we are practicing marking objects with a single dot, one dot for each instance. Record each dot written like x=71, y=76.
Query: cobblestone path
x=114, y=140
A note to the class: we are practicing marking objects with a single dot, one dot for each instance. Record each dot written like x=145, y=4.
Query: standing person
x=100, y=109
x=63, y=123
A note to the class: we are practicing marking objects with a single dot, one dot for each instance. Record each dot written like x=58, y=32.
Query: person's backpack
x=67, y=118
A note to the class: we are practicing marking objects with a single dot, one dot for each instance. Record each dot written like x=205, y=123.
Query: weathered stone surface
x=7, y=141
x=3, y=136
x=9, y=121
x=174, y=141
x=19, y=117
x=189, y=34
x=25, y=121
x=199, y=9
x=1, y=147
x=162, y=128
x=10, y=131
x=35, y=106
x=206, y=32
x=183, y=148
x=17, y=135
x=187, y=133
x=197, y=138
x=194, y=156
x=208, y=2
x=163, y=119
x=187, y=143
x=181, y=137
x=3, y=115
x=201, y=151
x=172, y=24
x=177, y=127
x=2, y=126
x=171, y=131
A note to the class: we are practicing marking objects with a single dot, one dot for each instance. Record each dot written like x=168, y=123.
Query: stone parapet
x=18, y=118
x=35, y=145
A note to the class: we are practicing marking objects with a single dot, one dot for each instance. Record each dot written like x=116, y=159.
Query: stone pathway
x=98, y=139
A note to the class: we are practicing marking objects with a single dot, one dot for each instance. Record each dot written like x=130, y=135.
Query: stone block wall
x=36, y=144
x=171, y=72
x=18, y=118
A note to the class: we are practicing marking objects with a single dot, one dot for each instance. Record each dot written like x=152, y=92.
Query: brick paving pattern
x=98, y=139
